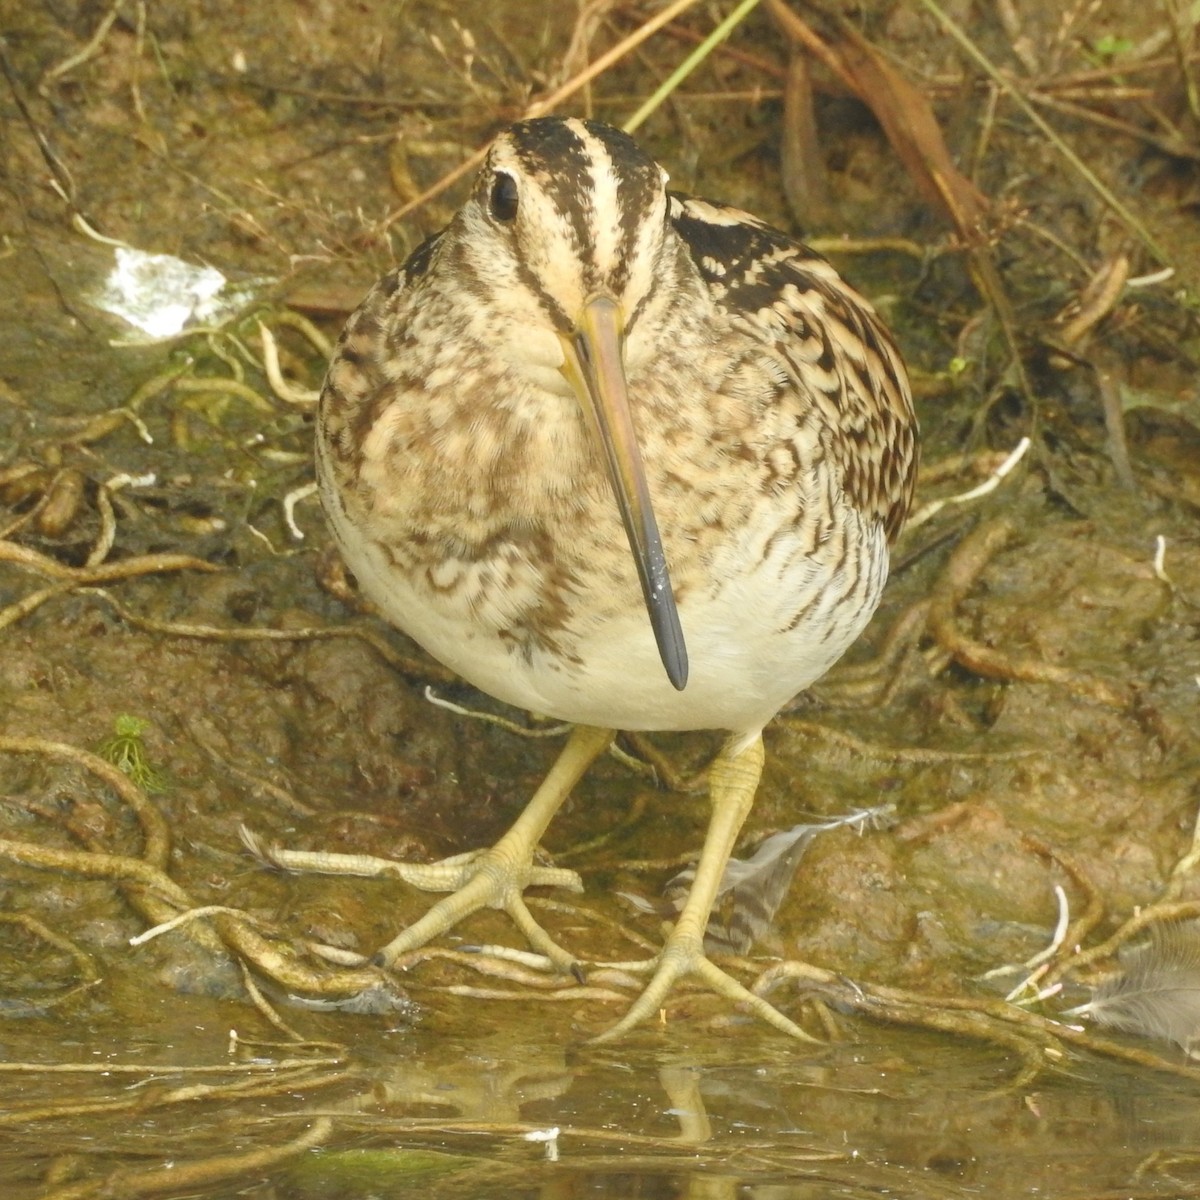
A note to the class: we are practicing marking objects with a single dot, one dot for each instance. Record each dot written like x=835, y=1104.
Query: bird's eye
x=503, y=200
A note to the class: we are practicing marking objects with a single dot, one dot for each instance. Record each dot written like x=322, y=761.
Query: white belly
x=763, y=630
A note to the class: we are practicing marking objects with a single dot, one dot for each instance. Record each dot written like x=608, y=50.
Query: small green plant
x=1110, y=45
x=127, y=752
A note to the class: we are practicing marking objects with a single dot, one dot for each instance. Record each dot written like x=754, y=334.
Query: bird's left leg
x=732, y=781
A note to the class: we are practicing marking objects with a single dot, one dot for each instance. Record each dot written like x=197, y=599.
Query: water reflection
x=505, y=1113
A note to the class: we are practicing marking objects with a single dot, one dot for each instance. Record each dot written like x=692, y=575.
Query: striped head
x=564, y=210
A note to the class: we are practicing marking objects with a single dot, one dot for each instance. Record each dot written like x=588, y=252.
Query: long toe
x=682, y=956
x=490, y=880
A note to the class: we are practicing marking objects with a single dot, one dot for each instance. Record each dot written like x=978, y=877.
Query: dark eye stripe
x=556, y=157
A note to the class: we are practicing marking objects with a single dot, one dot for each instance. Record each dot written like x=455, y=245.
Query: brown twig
x=157, y=897
x=964, y=568
x=126, y=568
x=425, y=671
x=178, y=1177
x=1037, y=1039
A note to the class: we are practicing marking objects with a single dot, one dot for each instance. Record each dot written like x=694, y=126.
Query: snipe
x=621, y=457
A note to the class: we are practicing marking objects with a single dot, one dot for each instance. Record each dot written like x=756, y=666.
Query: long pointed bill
x=595, y=371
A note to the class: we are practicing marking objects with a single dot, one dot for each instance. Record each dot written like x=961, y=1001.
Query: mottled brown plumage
x=585, y=399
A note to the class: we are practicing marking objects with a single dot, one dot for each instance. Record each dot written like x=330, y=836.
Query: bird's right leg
x=494, y=878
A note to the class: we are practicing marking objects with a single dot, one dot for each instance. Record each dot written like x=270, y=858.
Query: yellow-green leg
x=732, y=781
x=496, y=878
x=492, y=878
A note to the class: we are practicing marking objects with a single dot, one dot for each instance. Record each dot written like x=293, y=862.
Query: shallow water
x=665, y=1115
